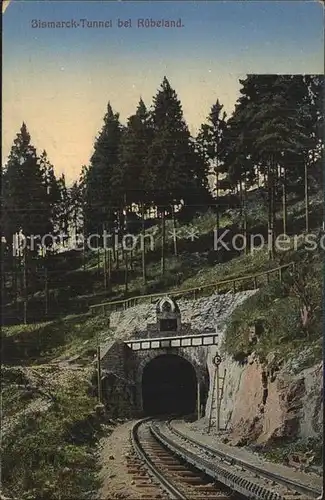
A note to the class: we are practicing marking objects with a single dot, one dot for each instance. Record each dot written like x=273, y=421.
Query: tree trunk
x=306, y=198
x=125, y=253
x=109, y=256
x=270, y=211
x=126, y=281
x=217, y=207
x=104, y=260
x=84, y=249
x=143, y=247
x=241, y=198
x=284, y=200
x=105, y=269
x=128, y=210
x=174, y=231
x=46, y=291
x=245, y=220
x=274, y=200
x=117, y=251
x=98, y=258
x=25, y=285
x=217, y=178
x=163, y=239
x=15, y=279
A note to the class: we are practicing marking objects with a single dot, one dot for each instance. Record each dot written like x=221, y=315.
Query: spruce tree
x=269, y=112
x=132, y=173
x=210, y=143
x=177, y=172
x=311, y=115
x=26, y=203
x=102, y=202
x=210, y=137
x=54, y=188
x=134, y=147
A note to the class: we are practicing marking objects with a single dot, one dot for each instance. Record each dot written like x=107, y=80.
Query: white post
x=218, y=399
x=198, y=401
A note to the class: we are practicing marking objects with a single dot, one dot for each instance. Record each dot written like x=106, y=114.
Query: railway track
x=176, y=478
x=294, y=488
x=185, y=469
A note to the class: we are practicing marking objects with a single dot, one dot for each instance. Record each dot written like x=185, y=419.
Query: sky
x=59, y=81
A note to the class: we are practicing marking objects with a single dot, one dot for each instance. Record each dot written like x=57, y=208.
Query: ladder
x=216, y=397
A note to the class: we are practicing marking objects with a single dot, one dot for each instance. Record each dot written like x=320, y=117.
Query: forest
x=272, y=143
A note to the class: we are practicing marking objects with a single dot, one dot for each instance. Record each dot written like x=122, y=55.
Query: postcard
x=162, y=242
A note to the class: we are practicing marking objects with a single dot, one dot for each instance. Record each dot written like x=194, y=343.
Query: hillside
x=48, y=369
x=76, y=281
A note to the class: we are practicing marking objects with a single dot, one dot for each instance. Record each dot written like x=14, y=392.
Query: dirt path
x=121, y=478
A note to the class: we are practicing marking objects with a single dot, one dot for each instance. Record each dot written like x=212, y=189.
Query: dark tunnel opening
x=169, y=386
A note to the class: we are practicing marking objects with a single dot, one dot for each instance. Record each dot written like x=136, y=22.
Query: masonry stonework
x=125, y=366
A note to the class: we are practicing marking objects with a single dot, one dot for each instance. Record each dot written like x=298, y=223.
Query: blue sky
x=59, y=80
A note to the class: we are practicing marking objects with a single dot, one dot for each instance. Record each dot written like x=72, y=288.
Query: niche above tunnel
x=169, y=386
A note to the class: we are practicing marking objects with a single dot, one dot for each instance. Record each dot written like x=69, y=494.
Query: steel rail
x=289, y=483
x=233, y=479
x=138, y=448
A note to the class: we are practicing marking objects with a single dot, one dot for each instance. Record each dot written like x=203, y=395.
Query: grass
x=49, y=452
x=277, y=311
x=281, y=452
x=42, y=342
x=252, y=263
x=75, y=289
x=49, y=413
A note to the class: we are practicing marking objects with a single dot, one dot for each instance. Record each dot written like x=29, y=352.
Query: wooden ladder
x=217, y=394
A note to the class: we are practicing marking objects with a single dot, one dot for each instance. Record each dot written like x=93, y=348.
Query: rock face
x=203, y=313
x=271, y=410
x=260, y=403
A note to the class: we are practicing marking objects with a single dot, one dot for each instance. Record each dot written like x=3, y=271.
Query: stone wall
x=197, y=316
x=258, y=404
x=118, y=365
x=265, y=407
x=194, y=355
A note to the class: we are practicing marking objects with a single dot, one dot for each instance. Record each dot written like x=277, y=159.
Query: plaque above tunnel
x=169, y=331
x=168, y=316
x=204, y=339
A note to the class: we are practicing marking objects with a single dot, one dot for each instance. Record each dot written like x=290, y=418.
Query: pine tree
x=175, y=172
x=134, y=147
x=237, y=163
x=63, y=207
x=102, y=202
x=26, y=203
x=75, y=202
x=311, y=117
x=210, y=143
x=131, y=173
x=54, y=189
x=270, y=114
x=210, y=137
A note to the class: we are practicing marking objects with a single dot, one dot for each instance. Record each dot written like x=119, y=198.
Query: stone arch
x=150, y=356
x=168, y=301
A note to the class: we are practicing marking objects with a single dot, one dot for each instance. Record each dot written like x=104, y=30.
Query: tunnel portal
x=169, y=385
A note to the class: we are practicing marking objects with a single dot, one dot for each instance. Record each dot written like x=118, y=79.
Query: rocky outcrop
x=270, y=409
x=204, y=313
x=262, y=403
